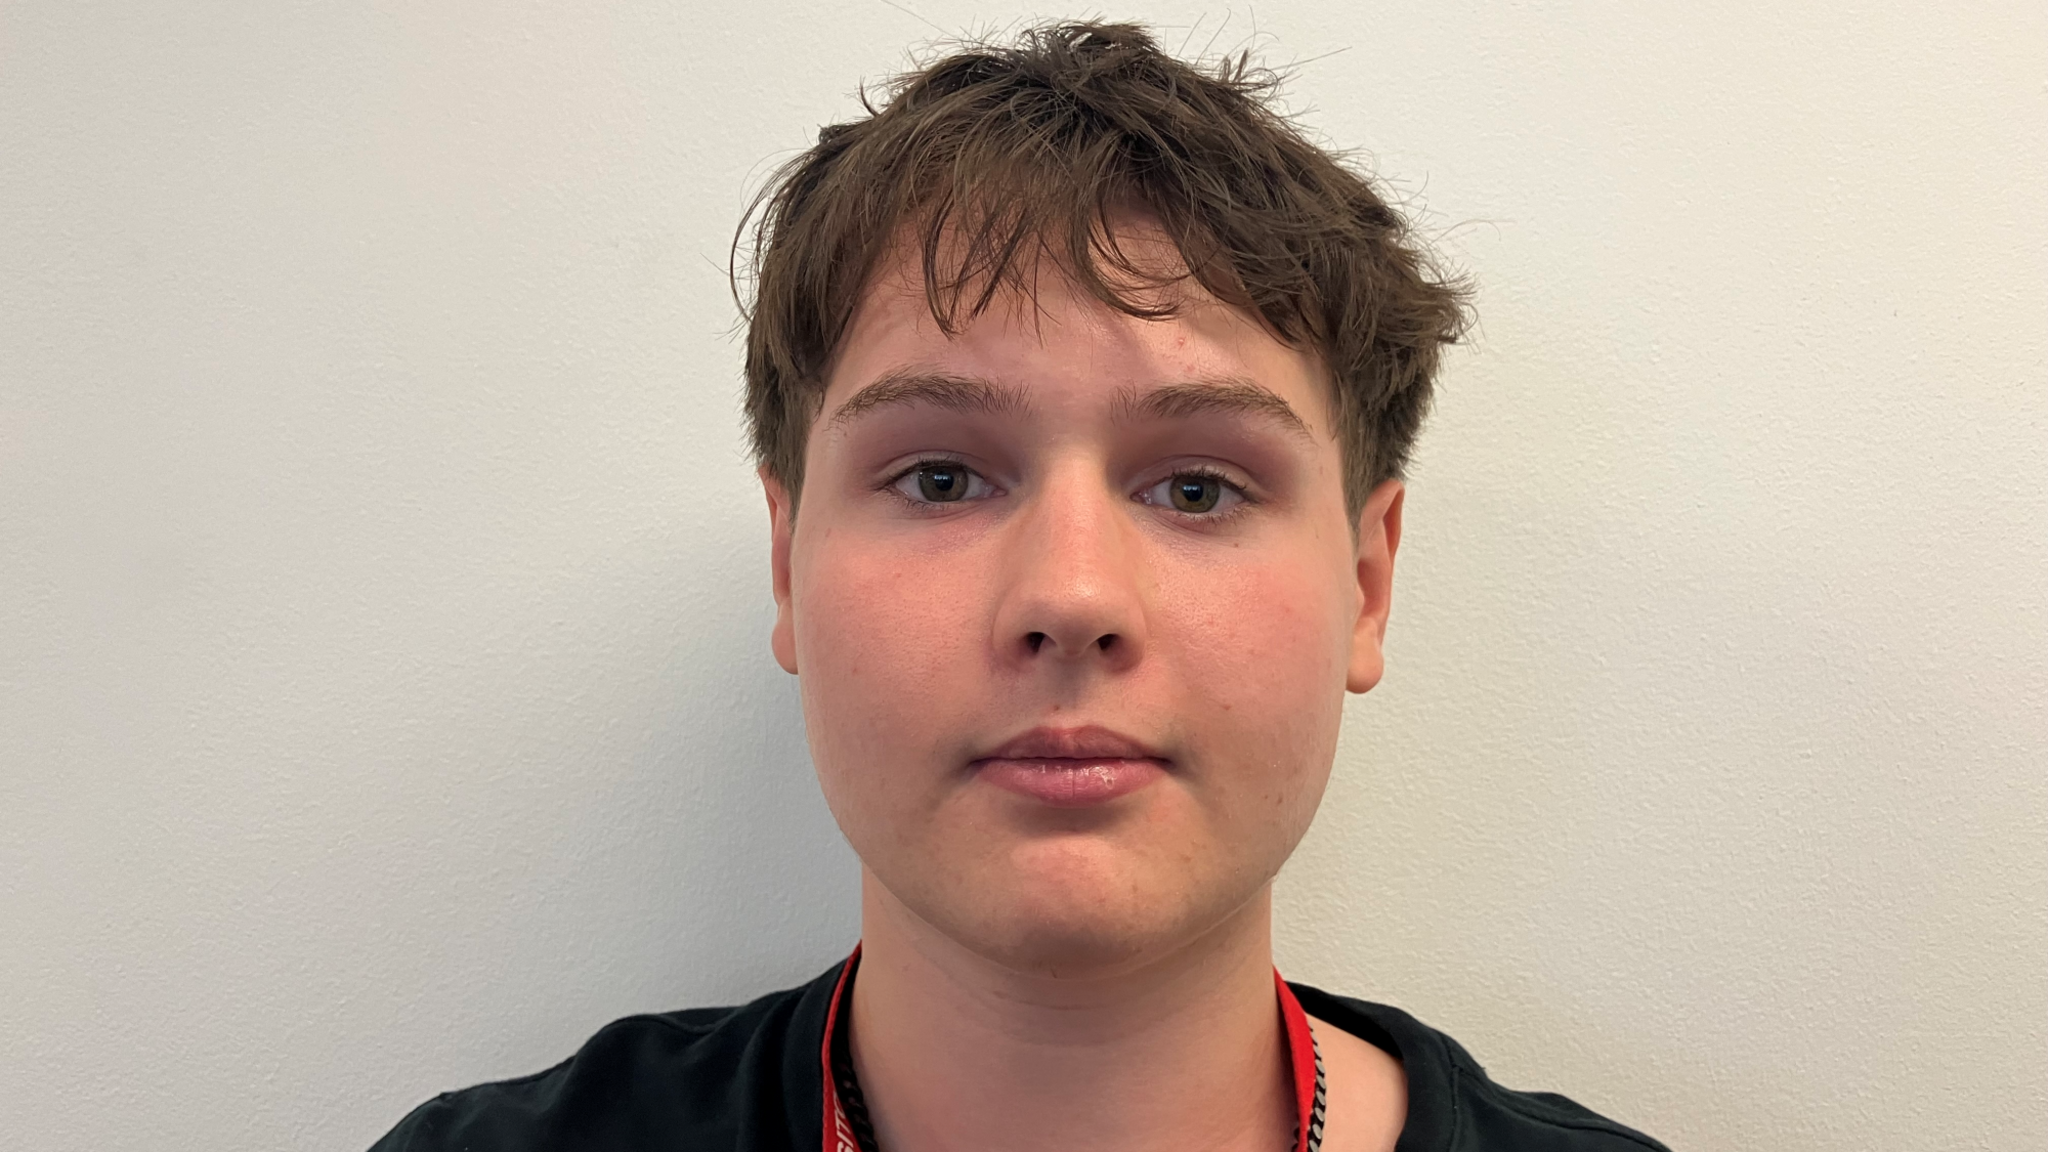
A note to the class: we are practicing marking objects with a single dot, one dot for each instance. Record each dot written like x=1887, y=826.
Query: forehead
x=1062, y=348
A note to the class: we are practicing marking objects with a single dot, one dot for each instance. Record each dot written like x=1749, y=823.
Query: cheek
x=888, y=648
x=1265, y=649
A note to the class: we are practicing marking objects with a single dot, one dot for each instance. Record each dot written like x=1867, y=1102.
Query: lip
x=1071, y=767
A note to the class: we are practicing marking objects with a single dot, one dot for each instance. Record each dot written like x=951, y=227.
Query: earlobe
x=781, y=528
x=1379, y=537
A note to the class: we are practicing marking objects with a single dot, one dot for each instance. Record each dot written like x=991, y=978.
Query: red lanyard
x=1302, y=1061
x=838, y=1129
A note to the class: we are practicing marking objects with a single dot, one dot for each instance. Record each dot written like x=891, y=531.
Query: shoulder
x=705, y=1077
x=1453, y=1106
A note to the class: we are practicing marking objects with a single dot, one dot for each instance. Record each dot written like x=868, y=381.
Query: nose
x=1072, y=578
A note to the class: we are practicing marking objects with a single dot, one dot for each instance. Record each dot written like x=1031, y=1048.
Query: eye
x=941, y=482
x=1194, y=493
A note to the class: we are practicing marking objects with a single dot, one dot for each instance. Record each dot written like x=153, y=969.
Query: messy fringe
x=998, y=159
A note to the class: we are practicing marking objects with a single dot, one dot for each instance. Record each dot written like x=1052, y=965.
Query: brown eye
x=1194, y=493
x=942, y=483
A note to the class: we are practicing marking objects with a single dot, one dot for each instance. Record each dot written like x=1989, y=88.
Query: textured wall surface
x=384, y=693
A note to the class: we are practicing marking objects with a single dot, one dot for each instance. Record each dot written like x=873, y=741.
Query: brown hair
x=998, y=156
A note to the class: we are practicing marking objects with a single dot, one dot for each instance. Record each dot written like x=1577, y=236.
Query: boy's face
x=1074, y=600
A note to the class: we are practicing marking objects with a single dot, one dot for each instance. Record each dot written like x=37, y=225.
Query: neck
x=1180, y=1051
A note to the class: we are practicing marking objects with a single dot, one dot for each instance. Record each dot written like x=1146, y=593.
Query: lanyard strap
x=849, y=1129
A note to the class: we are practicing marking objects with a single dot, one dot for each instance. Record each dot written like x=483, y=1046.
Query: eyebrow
x=960, y=393
x=938, y=389
x=1229, y=395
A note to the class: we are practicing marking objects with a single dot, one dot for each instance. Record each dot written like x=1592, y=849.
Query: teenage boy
x=1081, y=386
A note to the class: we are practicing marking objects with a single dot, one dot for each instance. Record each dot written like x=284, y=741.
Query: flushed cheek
x=890, y=655
x=1263, y=673
x=1277, y=623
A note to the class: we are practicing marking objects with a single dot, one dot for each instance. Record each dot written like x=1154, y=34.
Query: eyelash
x=1205, y=471
x=890, y=485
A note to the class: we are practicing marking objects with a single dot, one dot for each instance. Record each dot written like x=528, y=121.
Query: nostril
x=1106, y=639
x=1036, y=640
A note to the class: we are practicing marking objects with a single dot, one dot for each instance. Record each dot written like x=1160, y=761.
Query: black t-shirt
x=750, y=1079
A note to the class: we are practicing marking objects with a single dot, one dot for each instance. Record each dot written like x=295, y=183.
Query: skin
x=1036, y=976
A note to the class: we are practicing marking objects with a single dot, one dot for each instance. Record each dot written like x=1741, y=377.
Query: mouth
x=1071, y=767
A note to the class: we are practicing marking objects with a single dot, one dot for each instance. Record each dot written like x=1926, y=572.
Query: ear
x=781, y=526
x=1379, y=535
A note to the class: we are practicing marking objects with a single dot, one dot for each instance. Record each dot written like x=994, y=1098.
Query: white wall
x=384, y=693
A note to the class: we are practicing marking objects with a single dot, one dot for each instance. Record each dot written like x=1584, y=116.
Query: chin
x=1065, y=942
x=1067, y=910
